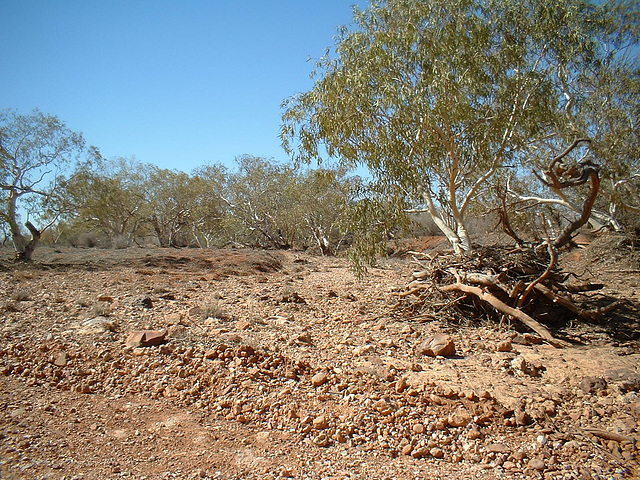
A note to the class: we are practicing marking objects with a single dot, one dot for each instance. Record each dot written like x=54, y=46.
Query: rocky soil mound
x=284, y=365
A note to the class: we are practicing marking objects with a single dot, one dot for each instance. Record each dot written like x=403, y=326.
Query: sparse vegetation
x=214, y=310
x=22, y=295
x=235, y=337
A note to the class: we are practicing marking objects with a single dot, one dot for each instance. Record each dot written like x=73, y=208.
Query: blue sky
x=174, y=83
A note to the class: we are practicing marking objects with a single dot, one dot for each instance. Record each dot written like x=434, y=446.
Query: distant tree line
x=259, y=203
x=66, y=194
x=121, y=202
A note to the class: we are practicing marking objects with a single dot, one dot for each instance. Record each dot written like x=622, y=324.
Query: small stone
x=304, y=338
x=459, y=418
x=473, y=434
x=363, y=349
x=321, y=422
x=420, y=452
x=210, y=354
x=497, y=448
x=533, y=339
x=243, y=325
x=592, y=384
x=536, y=464
x=449, y=392
x=522, y=418
x=319, y=379
x=173, y=318
x=523, y=365
x=504, y=346
x=61, y=359
x=292, y=297
x=520, y=340
x=436, y=452
x=177, y=331
x=509, y=465
x=519, y=455
x=407, y=449
x=438, y=345
x=82, y=388
x=469, y=395
x=145, y=302
x=383, y=407
x=401, y=385
x=418, y=428
x=322, y=440
x=406, y=330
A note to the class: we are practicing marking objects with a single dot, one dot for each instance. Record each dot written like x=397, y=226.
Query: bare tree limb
x=565, y=236
x=552, y=263
x=506, y=309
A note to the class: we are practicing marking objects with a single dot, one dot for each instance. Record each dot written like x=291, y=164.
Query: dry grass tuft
x=214, y=310
x=22, y=295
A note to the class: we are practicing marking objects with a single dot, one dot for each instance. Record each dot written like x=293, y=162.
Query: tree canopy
x=437, y=97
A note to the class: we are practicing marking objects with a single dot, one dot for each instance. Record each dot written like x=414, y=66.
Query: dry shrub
x=119, y=242
x=21, y=295
x=213, y=309
x=100, y=309
x=85, y=240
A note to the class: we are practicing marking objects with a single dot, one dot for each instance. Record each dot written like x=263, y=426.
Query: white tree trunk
x=459, y=239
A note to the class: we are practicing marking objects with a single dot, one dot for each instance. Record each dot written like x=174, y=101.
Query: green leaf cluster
x=437, y=98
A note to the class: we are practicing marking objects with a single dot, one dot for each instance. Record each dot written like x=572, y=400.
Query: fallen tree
x=519, y=282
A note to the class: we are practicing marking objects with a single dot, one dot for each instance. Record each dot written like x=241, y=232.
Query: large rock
x=438, y=345
x=145, y=338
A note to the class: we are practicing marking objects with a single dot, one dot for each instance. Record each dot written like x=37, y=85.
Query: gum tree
x=437, y=97
x=107, y=197
x=34, y=150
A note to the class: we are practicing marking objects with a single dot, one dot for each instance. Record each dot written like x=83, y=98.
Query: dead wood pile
x=496, y=282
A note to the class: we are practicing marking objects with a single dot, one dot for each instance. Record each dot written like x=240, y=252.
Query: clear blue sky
x=175, y=83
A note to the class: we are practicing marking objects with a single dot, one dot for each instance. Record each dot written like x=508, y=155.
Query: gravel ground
x=284, y=365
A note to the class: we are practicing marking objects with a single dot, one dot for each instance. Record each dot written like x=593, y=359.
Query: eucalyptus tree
x=320, y=202
x=35, y=149
x=210, y=216
x=107, y=197
x=283, y=206
x=257, y=198
x=170, y=200
x=612, y=120
x=437, y=97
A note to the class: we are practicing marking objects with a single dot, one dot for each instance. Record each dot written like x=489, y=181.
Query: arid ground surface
x=285, y=365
